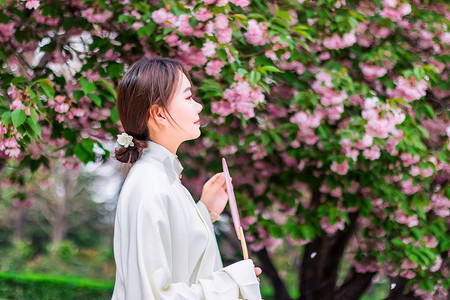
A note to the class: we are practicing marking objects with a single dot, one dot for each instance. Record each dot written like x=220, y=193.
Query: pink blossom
x=440, y=205
x=221, y=2
x=6, y=31
x=203, y=14
x=222, y=108
x=183, y=25
x=224, y=36
x=11, y=143
x=32, y=4
x=207, y=2
x=332, y=229
x=337, y=42
x=408, y=89
x=341, y=168
x=270, y=54
x=324, y=56
x=62, y=108
x=389, y=3
x=12, y=152
x=214, y=67
x=306, y=119
x=60, y=118
x=221, y=22
x=94, y=17
x=256, y=33
x=437, y=264
x=372, y=153
x=209, y=48
x=172, y=39
x=409, y=221
x=372, y=72
x=241, y=3
x=409, y=188
x=17, y=104
x=164, y=18
x=368, y=265
x=430, y=241
x=408, y=160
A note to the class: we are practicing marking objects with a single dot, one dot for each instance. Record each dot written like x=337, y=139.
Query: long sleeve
x=146, y=263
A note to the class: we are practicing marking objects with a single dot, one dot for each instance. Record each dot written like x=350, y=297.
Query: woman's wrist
x=214, y=217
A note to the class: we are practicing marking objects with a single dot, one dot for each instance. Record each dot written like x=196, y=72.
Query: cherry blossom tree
x=333, y=116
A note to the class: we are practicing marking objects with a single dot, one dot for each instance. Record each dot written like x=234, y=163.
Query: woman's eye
x=190, y=98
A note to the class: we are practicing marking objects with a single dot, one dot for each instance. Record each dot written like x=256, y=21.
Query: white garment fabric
x=164, y=243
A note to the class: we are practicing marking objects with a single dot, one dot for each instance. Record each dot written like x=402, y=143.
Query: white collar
x=164, y=158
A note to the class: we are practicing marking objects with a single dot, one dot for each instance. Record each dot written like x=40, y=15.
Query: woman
x=164, y=243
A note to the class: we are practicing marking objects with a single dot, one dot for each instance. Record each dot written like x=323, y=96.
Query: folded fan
x=234, y=209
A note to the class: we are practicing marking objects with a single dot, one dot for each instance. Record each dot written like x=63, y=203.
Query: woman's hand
x=258, y=272
x=214, y=194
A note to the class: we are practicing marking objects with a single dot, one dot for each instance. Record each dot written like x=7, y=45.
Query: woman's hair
x=148, y=81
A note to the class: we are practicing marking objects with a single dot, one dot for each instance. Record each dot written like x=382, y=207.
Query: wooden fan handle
x=243, y=243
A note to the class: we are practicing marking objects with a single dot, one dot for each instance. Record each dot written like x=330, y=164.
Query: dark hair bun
x=132, y=153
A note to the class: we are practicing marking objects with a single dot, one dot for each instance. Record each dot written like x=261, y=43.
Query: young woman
x=164, y=242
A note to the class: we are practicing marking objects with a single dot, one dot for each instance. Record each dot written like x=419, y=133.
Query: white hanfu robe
x=164, y=243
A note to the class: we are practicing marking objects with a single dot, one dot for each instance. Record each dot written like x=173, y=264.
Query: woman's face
x=185, y=112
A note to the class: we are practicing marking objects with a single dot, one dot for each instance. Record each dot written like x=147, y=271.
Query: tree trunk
x=320, y=264
x=354, y=286
x=281, y=293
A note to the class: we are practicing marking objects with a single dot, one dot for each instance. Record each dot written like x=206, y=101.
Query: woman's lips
x=197, y=122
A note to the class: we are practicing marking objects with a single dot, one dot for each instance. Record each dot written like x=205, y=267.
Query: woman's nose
x=200, y=107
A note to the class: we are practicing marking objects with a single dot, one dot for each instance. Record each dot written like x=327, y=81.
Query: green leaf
x=34, y=115
x=102, y=82
x=87, y=86
x=36, y=129
x=78, y=94
x=19, y=80
x=96, y=99
x=264, y=69
x=6, y=118
x=115, y=115
x=115, y=70
x=307, y=232
x=47, y=87
x=18, y=117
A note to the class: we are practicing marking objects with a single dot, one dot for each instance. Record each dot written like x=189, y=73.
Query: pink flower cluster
x=96, y=17
x=10, y=146
x=366, y=266
x=408, y=89
x=256, y=34
x=241, y=3
x=440, y=205
x=393, y=12
x=32, y=4
x=214, y=67
x=307, y=122
x=6, y=31
x=241, y=98
x=409, y=188
x=377, y=124
x=329, y=98
x=371, y=72
x=202, y=14
x=403, y=218
x=164, y=18
x=341, y=168
x=337, y=42
x=45, y=20
x=223, y=29
x=332, y=229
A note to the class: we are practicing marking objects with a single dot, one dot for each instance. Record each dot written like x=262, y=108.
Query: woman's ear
x=157, y=115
